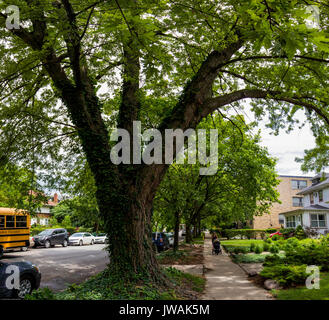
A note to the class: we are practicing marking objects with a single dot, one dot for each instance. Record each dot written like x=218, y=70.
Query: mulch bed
x=193, y=255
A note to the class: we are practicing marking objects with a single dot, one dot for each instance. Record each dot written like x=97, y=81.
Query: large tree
x=179, y=62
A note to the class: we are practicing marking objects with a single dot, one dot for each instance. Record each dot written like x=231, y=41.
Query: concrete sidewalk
x=226, y=280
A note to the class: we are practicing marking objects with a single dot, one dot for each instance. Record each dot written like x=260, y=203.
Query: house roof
x=300, y=177
x=315, y=187
x=315, y=207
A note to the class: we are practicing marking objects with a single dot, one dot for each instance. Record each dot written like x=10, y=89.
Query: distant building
x=44, y=215
x=291, y=199
x=315, y=210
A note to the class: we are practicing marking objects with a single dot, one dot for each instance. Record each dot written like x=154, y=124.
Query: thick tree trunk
x=129, y=231
x=176, y=231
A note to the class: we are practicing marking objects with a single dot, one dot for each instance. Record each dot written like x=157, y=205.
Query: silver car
x=100, y=238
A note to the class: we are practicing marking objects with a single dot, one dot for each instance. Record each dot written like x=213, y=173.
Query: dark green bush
x=258, y=249
x=273, y=259
x=274, y=248
x=287, y=232
x=271, y=230
x=244, y=233
x=266, y=246
x=249, y=258
x=285, y=275
x=300, y=233
x=236, y=249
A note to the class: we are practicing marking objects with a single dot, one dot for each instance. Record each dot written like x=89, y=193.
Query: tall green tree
x=198, y=56
x=243, y=186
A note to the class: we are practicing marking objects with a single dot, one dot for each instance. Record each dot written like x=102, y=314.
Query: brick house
x=289, y=189
x=44, y=214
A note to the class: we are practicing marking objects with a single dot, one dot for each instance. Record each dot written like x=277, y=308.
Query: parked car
x=29, y=279
x=160, y=240
x=100, y=238
x=81, y=238
x=50, y=237
x=170, y=237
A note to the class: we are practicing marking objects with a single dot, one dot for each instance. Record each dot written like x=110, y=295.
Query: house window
x=291, y=222
x=311, y=198
x=320, y=195
x=298, y=184
x=318, y=221
x=297, y=201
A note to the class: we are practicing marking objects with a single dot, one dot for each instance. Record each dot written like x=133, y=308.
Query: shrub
x=300, y=233
x=268, y=240
x=270, y=230
x=310, y=233
x=236, y=249
x=285, y=275
x=244, y=233
x=249, y=258
x=273, y=259
x=252, y=247
x=287, y=232
x=258, y=249
x=266, y=246
x=274, y=249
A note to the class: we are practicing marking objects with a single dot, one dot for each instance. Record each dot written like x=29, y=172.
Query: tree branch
x=218, y=102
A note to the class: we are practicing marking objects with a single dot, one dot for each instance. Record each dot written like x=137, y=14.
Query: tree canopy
x=74, y=71
x=243, y=186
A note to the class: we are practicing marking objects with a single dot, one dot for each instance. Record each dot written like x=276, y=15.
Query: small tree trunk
x=188, y=238
x=195, y=231
x=176, y=231
x=199, y=225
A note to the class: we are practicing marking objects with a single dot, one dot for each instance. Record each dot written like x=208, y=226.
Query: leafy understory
x=102, y=287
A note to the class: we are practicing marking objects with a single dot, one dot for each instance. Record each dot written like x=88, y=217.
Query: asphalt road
x=63, y=266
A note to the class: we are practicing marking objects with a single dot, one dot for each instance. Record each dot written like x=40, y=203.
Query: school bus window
x=10, y=221
x=21, y=222
x=2, y=221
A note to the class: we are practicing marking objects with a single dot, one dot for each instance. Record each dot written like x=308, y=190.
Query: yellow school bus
x=14, y=229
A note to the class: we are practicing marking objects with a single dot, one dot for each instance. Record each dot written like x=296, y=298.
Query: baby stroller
x=216, y=247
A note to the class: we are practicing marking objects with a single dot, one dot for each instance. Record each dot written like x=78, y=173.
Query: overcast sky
x=286, y=147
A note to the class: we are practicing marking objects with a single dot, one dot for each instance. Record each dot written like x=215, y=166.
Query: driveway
x=63, y=266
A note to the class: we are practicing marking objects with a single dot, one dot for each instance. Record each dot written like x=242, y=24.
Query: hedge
x=246, y=233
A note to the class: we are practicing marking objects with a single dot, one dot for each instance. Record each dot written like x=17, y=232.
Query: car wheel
x=47, y=244
x=25, y=287
x=65, y=243
x=80, y=243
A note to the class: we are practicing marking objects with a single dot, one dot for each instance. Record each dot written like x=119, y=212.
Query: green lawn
x=302, y=293
x=241, y=243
